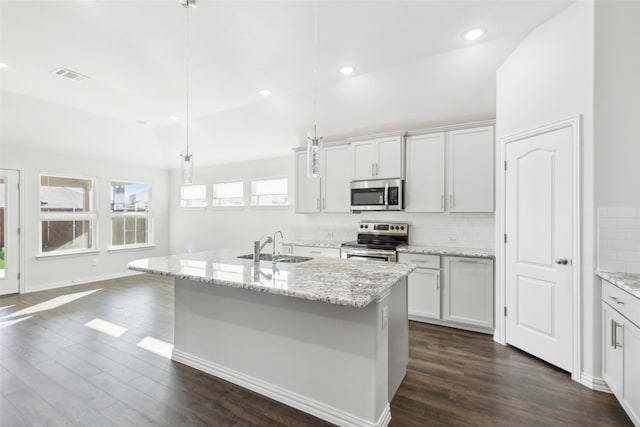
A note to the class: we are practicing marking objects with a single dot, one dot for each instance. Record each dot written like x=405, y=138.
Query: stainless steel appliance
x=377, y=241
x=377, y=195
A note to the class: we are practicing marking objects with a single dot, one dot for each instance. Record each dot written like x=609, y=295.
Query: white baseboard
x=81, y=281
x=295, y=400
x=597, y=384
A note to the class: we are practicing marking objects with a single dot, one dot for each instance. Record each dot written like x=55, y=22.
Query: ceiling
x=413, y=69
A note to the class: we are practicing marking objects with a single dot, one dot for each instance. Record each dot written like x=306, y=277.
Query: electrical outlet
x=329, y=234
x=453, y=239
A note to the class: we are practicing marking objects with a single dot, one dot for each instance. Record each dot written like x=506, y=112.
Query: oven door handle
x=386, y=195
x=368, y=252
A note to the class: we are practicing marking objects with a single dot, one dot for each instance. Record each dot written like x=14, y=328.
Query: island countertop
x=334, y=281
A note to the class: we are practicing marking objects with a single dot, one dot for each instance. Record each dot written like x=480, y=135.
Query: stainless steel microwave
x=377, y=195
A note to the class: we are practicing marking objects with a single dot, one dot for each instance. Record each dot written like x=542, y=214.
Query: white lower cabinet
x=468, y=291
x=460, y=294
x=621, y=347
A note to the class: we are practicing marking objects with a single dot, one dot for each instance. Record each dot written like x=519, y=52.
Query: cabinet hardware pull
x=418, y=261
x=469, y=261
x=377, y=169
x=324, y=203
x=442, y=201
x=373, y=169
x=437, y=281
x=315, y=252
x=613, y=334
x=616, y=325
x=450, y=200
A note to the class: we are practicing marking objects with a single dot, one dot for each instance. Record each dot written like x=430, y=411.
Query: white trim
x=62, y=284
x=124, y=248
x=500, y=334
x=55, y=254
x=295, y=400
x=449, y=324
x=594, y=383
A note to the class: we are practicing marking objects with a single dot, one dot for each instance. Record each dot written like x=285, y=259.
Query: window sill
x=66, y=254
x=281, y=207
x=129, y=248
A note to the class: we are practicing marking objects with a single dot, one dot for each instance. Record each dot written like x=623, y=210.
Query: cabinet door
x=470, y=170
x=336, y=177
x=364, y=157
x=631, y=370
x=424, y=294
x=307, y=189
x=468, y=291
x=389, y=158
x=425, y=173
x=612, y=361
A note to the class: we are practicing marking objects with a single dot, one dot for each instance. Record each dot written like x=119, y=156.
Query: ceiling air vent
x=68, y=74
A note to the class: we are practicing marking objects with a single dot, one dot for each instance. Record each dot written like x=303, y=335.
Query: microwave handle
x=386, y=194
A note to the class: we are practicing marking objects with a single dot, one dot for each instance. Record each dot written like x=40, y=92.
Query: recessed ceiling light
x=474, y=34
x=346, y=70
x=265, y=92
x=173, y=117
x=3, y=65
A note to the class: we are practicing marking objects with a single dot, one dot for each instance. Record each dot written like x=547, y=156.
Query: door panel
x=539, y=226
x=9, y=235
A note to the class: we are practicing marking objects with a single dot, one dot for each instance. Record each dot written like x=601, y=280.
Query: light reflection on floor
x=105, y=327
x=159, y=347
x=13, y=322
x=7, y=306
x=50, y=304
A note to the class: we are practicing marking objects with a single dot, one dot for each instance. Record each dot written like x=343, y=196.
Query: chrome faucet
x=257, y=247
x=273, y=253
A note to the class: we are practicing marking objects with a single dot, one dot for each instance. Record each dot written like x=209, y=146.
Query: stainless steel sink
x=279, y=258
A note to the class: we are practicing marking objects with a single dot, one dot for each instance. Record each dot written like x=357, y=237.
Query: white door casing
x=10, y=275
x=541, y=226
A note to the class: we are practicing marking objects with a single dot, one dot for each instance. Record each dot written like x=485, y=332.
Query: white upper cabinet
x=470, y=170
x=424, y=186
x=336, y=175
x=307, y=189
x=380, y=158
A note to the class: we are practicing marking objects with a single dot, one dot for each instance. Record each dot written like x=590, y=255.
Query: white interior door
x=539, y=250
x=9, y=233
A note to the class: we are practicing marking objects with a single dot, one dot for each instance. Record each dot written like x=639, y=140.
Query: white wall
x=17, y=152
x=617, y=105
x=197, y=229
x=549, y=77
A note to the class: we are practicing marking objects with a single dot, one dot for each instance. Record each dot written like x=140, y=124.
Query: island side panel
x=326, y=359
x=398, y=336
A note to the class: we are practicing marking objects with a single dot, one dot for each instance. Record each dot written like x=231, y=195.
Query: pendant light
x=187, y=157
x=314, y=144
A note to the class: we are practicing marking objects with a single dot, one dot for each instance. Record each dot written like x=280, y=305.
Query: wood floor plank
x=73, y=375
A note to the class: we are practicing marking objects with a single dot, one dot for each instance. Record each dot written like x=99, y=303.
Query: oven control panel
x=390, y=228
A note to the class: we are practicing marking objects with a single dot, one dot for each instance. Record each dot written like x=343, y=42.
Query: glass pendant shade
x=314, y=146
x=187, y=169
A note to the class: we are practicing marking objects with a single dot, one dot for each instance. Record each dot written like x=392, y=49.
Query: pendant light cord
x=315, y=68
x=188, y=7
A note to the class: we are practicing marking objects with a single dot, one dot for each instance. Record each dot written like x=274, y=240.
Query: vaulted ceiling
x=413, y=69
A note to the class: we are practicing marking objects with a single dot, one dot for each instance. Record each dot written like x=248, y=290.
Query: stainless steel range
x=377, y=241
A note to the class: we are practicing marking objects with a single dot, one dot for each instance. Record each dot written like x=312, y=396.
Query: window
x=130, y=214
x=67, y=214
x=193, y=196
x=270, y=192
x=228, y=194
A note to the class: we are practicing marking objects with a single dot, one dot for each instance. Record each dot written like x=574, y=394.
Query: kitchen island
x=326, y=336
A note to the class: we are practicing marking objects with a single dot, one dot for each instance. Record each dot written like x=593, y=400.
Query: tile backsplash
x=469, y=230
x=619, y=239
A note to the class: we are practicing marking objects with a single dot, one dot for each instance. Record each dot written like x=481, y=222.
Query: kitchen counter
x=332, y=244
x=333, y=281
x=448, y=250
x=628, y=282
x=327, y=336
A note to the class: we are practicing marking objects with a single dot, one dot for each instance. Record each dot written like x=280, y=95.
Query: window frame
x=214, y=199
x=206, y=199
x=148, y=214
x=273, y=178
x=91, y=216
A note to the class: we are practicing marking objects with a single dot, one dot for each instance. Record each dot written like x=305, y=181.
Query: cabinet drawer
x=314, y=251
x=623, y=302
x=421, y=260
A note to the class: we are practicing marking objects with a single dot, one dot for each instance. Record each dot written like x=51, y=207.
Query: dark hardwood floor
x=56, y=371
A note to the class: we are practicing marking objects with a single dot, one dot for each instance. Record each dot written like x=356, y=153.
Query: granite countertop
x=448, y=250
x=333, y=244
x=334, y=281
x=629, y=282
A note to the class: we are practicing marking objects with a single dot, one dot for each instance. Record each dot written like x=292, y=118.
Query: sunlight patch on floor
x=7, y=306
x=159, y=347
x=13, y=322
x=105, y=327
x=50, y=304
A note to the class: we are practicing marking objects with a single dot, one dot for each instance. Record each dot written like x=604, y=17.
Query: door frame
x=575, y=124
x=21, y=236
